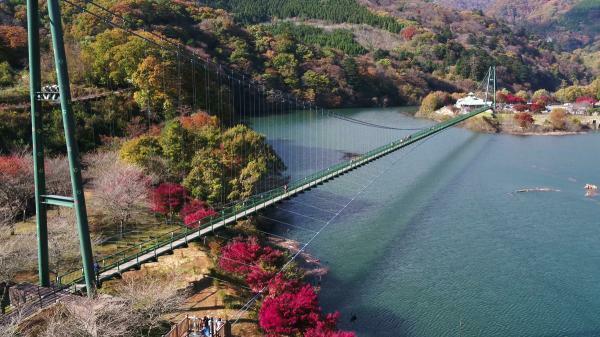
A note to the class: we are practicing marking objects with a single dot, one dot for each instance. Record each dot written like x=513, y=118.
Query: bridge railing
x=135, y=252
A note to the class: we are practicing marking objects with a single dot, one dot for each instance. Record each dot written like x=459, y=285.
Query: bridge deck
x=179, y=238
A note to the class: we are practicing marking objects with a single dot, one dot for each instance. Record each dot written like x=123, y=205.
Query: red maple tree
x=258, y=278
x=521, y=107
x=291, y=312
x=512, y=99
x=195, y=211
x=586, y=100
x=240, y=255
x=524, y=119
x=168, y=198
x=326, y=327
x=537, y=107
x=280, y=284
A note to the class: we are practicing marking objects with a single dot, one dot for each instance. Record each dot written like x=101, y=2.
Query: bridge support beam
x=60, y=61
x=33, y=26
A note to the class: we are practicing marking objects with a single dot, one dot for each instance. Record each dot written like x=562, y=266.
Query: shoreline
x=549, y=133
x=482, y=124
x=311, y=265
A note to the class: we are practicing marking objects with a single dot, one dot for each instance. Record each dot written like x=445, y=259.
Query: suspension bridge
x=236, y=99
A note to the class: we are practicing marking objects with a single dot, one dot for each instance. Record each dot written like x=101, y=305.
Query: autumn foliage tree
x=194, y=211
x=586, y=100
x=168, y=198
x=408, y=32
x=290, y=313
x=239, y=255
x=290, y=307
x=120, y=190
x=297, y=311
x=537, y=107
x=524, y=119
x=16, y=188
x=558, y=118
x=521, y=107
x=504, y=96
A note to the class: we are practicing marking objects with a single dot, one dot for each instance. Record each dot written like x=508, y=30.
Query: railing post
x=40, y=296
x=227, y=329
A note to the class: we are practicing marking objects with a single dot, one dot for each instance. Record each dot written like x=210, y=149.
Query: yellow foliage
x=433, y=101
x=138, y=150
x=558, y=118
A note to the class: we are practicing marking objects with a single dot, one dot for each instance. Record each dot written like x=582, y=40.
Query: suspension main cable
x=178, y=48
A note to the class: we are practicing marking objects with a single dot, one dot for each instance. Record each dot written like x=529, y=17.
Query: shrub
x=193, y=212
x=524, y=119
x=520, y=107
x=434, y=101
x=558, y=118
x=6, y=74
x=537, y=107
x=586, y=100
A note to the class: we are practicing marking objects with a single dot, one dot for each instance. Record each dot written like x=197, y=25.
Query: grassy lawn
x=106, y=240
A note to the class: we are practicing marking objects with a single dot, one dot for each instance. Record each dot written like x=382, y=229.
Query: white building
x=470, y=102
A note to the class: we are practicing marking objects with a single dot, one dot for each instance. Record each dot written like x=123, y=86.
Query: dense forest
x=336, y=53
x=338, y=11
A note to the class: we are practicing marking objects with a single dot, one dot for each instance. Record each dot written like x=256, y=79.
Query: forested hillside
x=570, y=24
x=338, y=11
x=336, y=53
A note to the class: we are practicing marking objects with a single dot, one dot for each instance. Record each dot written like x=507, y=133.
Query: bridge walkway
x=114, y=265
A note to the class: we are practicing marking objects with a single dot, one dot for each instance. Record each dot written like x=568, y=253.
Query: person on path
x=219, y=324
x=97, y=271
x=211, y=326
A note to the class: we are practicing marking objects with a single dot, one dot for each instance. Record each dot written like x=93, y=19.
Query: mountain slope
x=570, y=24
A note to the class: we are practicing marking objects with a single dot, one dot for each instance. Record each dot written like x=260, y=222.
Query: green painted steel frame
x=62, y=74
x=41, y=199
x=33, y=37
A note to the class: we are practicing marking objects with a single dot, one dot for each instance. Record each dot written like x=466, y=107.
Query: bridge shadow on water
x=379, y=321
x=302, y=159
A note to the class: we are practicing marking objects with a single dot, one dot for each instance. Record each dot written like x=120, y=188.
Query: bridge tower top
x=491, y=86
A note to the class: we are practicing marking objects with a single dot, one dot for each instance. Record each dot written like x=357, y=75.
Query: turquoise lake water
x=440, y=243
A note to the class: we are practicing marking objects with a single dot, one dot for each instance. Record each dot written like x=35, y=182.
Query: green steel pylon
x=491, y=85
x=77, y=201
x=33, y=23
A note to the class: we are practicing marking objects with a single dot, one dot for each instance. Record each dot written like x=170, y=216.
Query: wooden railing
x=27, y=299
